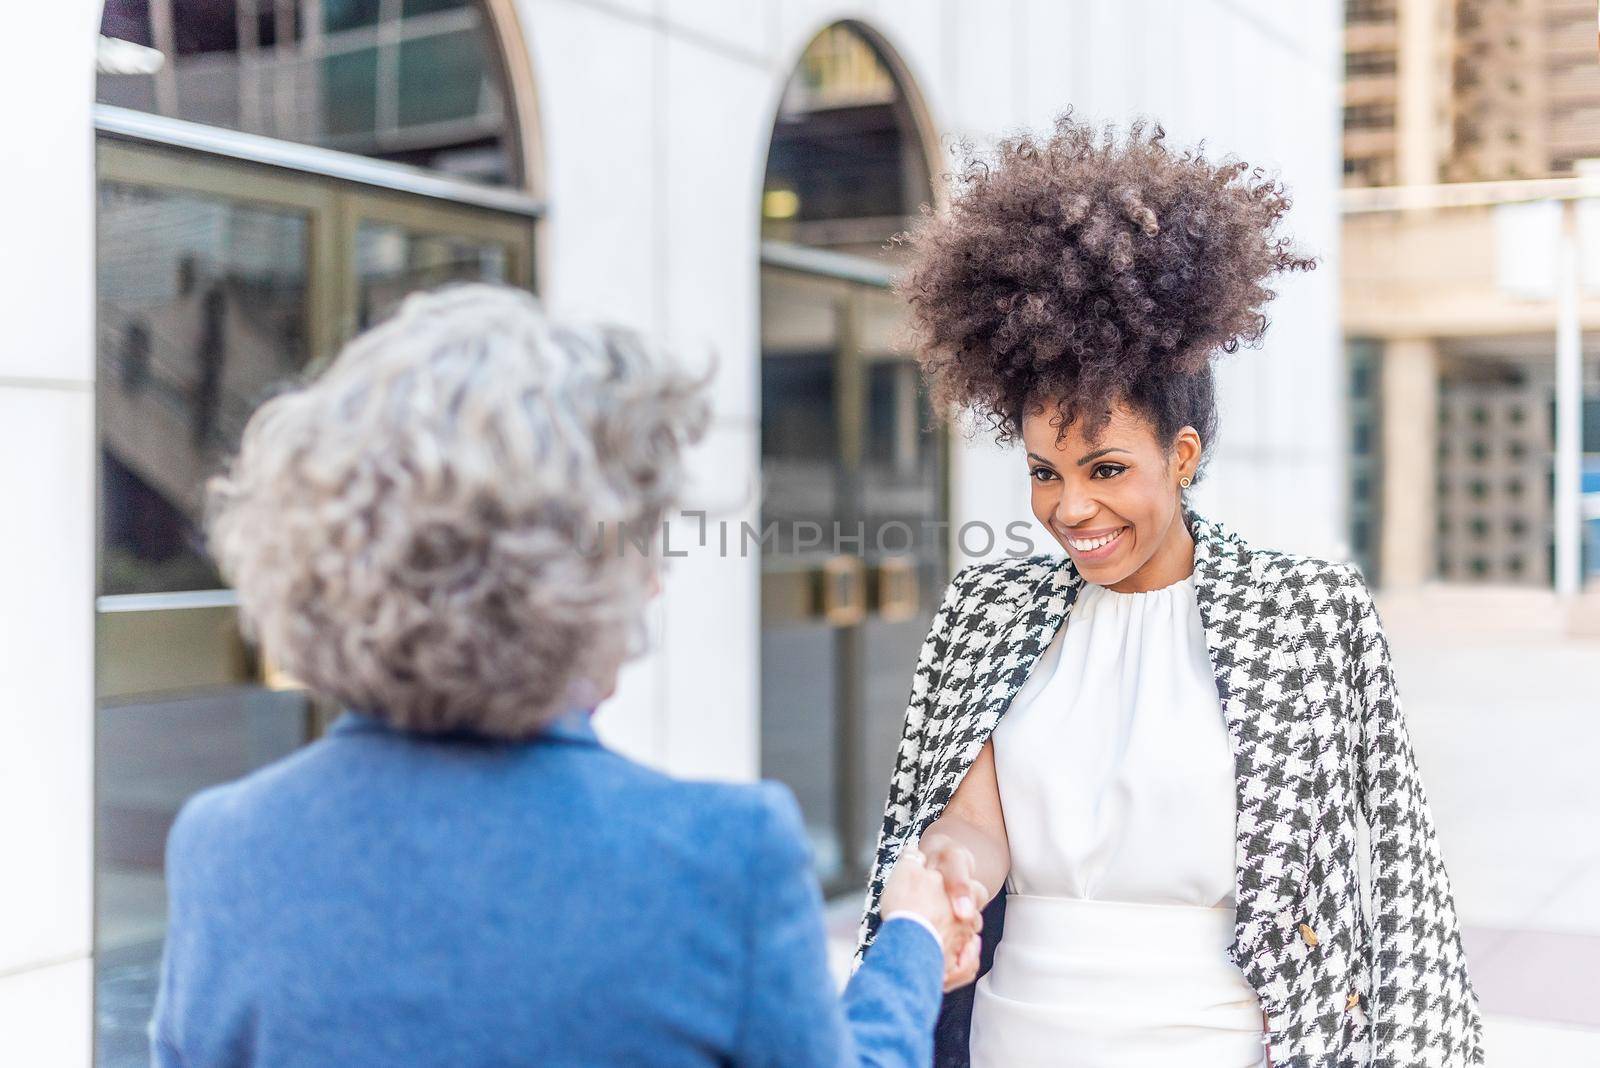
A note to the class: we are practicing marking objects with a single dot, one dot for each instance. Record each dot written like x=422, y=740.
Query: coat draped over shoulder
x=1320, y=744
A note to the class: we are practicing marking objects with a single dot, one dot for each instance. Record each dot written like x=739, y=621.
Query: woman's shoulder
x=1310, y=576
x=1003, y=576
x=1329, y=596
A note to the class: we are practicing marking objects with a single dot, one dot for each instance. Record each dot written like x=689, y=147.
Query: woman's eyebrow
x=1098, y=453
x=1087, y=459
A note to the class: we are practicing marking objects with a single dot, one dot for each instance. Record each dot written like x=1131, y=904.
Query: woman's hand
x=913, y=887
x=954, y=863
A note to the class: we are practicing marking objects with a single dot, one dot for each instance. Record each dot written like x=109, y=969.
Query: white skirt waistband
x=1081, y=926
x=1067, y=949
x=1095, y=983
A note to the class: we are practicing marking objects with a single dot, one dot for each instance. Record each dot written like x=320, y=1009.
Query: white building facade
x=618, y=157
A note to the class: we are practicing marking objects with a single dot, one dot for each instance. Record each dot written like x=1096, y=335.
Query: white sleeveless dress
x=1116, y=780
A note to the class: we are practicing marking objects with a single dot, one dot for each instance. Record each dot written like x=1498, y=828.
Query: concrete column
x=47, y=472
x=1410, y=420
x=1421, y=126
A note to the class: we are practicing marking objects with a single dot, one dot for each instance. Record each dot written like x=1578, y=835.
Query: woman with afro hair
x=1149, y=757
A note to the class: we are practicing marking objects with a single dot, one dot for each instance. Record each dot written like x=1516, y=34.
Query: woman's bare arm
x=968, y=841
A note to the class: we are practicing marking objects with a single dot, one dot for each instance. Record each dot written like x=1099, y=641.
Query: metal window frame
x=131, y=125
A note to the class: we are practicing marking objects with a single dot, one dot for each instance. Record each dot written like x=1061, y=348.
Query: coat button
x=1352, y=1001
x=1308, y=934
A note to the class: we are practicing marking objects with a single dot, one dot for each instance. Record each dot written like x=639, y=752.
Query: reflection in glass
x=416, y=82
x=901, y=501
x=202, y=309
x=207, y=305
x=846, y=168
x=392, y=261
x=799, y=654
x=150, y=755
x=846, y=440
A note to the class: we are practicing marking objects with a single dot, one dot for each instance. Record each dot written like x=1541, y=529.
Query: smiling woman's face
x=1114, y=503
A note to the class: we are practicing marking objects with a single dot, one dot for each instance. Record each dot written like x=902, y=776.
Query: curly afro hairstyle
x=1082, y=269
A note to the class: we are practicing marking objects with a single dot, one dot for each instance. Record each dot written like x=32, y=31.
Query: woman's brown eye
x=1114, y=469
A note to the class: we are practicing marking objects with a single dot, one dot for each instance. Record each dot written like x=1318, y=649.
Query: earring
x=1184, y=481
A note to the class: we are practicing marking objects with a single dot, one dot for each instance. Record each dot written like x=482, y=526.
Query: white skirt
x=1092, y=984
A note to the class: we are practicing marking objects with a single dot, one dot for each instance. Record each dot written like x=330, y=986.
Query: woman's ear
x=1187, y=450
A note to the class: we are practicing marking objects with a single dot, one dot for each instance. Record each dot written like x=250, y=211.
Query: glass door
x=853, y=508
x=218, y=281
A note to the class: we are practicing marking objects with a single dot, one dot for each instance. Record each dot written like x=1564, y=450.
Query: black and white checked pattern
x=1320, y=744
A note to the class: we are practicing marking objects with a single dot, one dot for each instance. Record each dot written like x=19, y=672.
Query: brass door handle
x=897, y=593
x=844, y=590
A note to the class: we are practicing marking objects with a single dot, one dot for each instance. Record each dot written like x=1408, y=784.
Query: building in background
x=1527, y=89
x=1450, y=299
x=1476, y=90
x=251, y=182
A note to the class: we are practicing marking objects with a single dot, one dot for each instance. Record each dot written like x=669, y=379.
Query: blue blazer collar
x=574, y=726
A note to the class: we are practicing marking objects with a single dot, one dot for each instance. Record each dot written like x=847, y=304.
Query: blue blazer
x=384, y=899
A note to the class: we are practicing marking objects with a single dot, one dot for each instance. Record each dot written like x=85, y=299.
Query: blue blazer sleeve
x=792, y=1017
x=172, y=990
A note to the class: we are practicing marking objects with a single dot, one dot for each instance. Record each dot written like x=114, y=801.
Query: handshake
x=936, y=883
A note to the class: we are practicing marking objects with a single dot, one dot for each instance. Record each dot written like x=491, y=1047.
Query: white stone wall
x=46, y=538
x=656, y=116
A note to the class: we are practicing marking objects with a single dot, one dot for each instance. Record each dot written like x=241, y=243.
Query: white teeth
x=1095, y=543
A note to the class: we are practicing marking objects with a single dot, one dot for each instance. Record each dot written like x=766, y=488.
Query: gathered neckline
x=1173, y=587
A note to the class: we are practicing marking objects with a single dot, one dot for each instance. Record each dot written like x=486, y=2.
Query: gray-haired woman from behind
x=460, y=873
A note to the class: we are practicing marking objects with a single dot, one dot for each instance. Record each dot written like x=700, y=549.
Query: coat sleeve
x=902, y=804
x=792, y=1015
x=1422, y=1009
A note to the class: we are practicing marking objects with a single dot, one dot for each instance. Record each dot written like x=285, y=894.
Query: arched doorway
x=273, y=176
x=854, y=480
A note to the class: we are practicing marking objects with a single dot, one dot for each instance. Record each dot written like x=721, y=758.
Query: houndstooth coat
x=1319, y=741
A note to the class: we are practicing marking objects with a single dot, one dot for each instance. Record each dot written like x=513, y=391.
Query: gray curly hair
x=433, y=530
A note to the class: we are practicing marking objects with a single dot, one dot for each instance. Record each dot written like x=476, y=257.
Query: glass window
x=414, y=82
x=392, y=261
x=846, y=168
x=202, y=309
x=1368, y=116
x=150, y=756
x=847, y=453
x=413, y=8
x=204, y=306
x=1381, y=62
x=340, y=15
x=218, y=282
x=439, y=79
x=350, y=105
x=846, y=447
